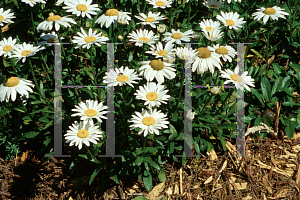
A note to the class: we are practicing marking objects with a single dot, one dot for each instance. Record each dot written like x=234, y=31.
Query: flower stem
x=205, y=104
x=35, y=81
x=268, y=44
x=181, y=85
x=189, y=14
x=228, y=95
x=95, y=80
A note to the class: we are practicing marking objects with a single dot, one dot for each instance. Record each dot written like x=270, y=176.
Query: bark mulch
x=270, y=170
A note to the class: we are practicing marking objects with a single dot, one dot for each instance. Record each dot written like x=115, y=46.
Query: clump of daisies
x=85, y=131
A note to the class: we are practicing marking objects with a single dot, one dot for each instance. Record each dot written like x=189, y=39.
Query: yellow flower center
x=229, y=22
x=213, y=6
x=160, y=3
x=148, y=121
x=51, y=40
x=269, y=11
x=90, y=112
x=204, y=52
x=208, y=28
x=157, y=65
x=152, y=96
x=82, y=7
x=89, y=39
x=52, y=18
x=12, y=82
x=222, y=50
x=1, y=18
x=26, y=52
x=83, y=133
x=236, y=77
x=112, y=12
x=145, y=39
x=7, y=48
x=150, y=19
x=162, y=52
x=176, y=36
x=122, y=78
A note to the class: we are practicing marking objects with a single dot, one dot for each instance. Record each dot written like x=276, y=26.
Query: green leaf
x=256, y=53
x=140, y=198
x=290, y=128
x=174, y=116
x=277, y=85
x=42, y=88
x=138, y=160
x=44, y=119
x=172, y=144
x=31, y=134
x=94, y=174
x=223, y=141
x=115, y=178
x=276, y=68
x=20, y=110
x=258, y=96
x=26, y=119
x=147, y=180
x=174, y=133
x=162, y=175
x=151, y=162
x=266, y=88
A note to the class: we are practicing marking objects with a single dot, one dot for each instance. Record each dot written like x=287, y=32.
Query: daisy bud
x=196, y=36
x=161, y=28
x=120, y=37
x=122, y=19
x=190, y=115
x=215, y=90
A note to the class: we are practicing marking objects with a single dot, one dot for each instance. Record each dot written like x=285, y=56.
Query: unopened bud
x=196, y=36
x=161, y=28
x=120, y=37
x=190, y=115
x=215, y=90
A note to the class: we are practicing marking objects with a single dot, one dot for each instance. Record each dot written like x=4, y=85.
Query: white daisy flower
x=177, y=36
x=82, y=7
x=33, y=2
x=215, y=4
x=7, y=46
x=149, y=121
x=22, y=51
x=265, y=13
x=14, y=85
x=160, y=51
x=231, y=20
x=206, y=59
x=89, y=110
x=60, y=2
x=5, y=17
x=49, y=38
x=121, y=76
x=225, y=52
x=240, y=81
x=209, y=24
x=157, y=69
x=47, y=25
x=87, y=40
x=141, y=37
x=229, y=1
x=81, y=133
x=153, y=94
x=110, y=16
x=123, y=18
x=186, y=53
x=151, y=19
x=213, y=35
x=160, y=3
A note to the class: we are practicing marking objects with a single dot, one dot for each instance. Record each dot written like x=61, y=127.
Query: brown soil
x=272, y=172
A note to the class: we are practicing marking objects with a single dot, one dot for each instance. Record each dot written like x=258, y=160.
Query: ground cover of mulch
x=272, y=171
